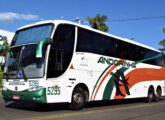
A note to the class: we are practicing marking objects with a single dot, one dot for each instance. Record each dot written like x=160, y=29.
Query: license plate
x=16, y=97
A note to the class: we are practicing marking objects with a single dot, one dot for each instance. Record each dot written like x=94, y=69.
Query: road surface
x=135, y=109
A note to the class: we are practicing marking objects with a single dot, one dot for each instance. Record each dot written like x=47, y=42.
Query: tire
x=78, y=99
x=151, y=95
x=158, y=94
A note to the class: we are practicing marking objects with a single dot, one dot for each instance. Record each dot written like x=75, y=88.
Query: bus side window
x=123, y=50
x=110, y=46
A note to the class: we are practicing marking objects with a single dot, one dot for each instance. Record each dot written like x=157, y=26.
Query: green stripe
x=108, y=89
x=154, y=57
x=37, y=96
x=99, y=80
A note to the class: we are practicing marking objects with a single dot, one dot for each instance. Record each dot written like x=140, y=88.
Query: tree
x=162, y=42
x=3, y=51
x=98, y=22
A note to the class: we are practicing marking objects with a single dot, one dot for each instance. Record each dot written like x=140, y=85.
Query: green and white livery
x=63, y=62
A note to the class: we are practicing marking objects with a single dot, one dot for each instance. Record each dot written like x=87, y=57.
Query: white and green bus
x=63, y=62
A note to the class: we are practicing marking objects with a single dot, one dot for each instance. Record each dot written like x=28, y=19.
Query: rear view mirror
x=40, y=46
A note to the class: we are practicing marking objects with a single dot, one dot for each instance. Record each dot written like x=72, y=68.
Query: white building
x=7, y=34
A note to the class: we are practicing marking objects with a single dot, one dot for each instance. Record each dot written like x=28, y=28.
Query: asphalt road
x=135, y=109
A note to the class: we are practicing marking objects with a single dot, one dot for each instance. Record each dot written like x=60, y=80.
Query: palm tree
x=162, y=42
x=98, y=22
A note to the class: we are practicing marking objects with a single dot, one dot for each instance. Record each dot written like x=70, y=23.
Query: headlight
x=4, y=88
x=35, y=89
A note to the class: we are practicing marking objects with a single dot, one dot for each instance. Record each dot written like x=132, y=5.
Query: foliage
x=162, y=42
x=1, y=77
x=164, y=30
x=98, y=22
x=3, y=53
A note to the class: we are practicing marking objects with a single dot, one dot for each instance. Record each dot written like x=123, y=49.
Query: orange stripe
x=141, y=75
x=110, y=70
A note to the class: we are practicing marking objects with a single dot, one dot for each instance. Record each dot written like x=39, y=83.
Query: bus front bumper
x=37, y=96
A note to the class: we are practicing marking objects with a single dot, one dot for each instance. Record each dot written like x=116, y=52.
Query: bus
x=58, y=61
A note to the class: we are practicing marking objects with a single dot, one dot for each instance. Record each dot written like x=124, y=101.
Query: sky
x=17, y=13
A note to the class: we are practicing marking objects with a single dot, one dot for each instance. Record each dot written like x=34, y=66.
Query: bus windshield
x=32, y=34
x=22, y=63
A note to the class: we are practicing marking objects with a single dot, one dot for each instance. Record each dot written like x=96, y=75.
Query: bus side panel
x=60, y=90
x=106, y=78
x=107, y=85
x=56, y=90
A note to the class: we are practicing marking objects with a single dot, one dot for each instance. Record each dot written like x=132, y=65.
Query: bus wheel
x=158, y=94
x=150, y=96
x=78, y=99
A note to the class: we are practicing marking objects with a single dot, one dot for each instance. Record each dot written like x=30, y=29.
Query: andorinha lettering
x=116, y=62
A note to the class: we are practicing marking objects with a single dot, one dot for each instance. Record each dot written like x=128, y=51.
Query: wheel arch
x=85, y=88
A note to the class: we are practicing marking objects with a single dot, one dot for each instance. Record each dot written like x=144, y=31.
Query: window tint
x=109, y=46
x=150, y=54
x=61, y=51
x=138, y=53
x=123, y=50
x=132, y=50
x=144, y=54
x=93, y=42
x=89, y=41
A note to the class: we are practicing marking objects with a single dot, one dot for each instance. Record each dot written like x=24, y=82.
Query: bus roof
x=88, y=28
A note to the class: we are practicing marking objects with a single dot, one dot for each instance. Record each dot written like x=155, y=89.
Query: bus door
x=55, y=63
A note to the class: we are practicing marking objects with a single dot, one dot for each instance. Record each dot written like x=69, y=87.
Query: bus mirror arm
x=40, y=46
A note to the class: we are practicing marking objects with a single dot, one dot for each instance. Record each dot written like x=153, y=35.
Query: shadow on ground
x=58, y=107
